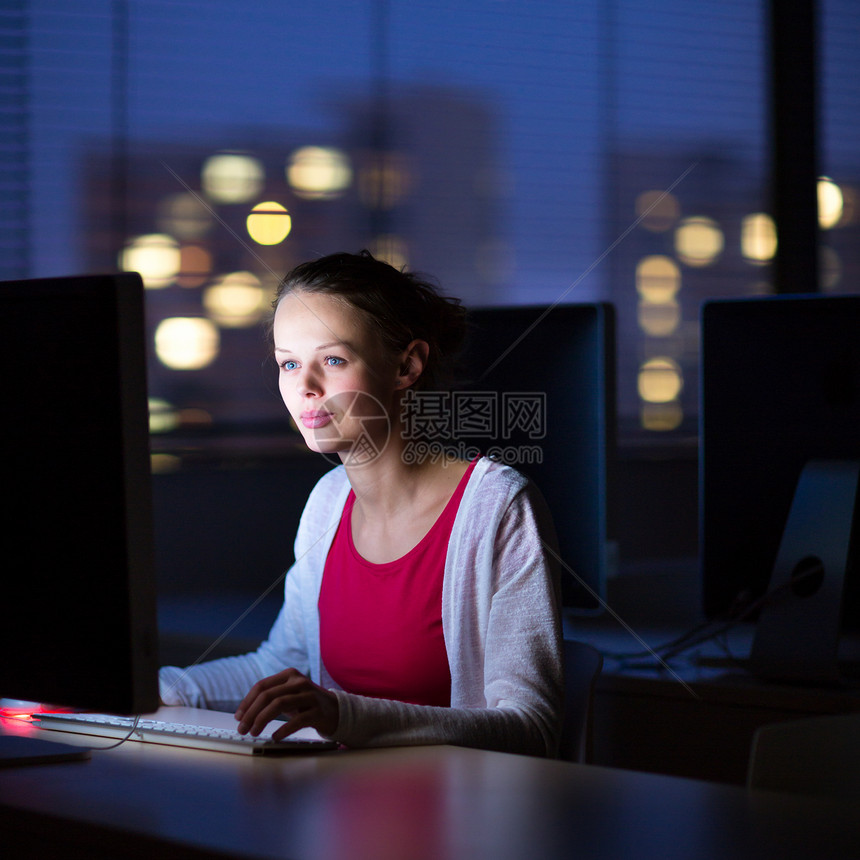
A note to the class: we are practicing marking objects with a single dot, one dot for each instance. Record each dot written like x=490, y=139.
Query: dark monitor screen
x=780, y=390
x=541, y=397
x=78, y=613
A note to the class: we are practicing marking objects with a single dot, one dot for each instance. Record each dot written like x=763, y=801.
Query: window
x=519, y=152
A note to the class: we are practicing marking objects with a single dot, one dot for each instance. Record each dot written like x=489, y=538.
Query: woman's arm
x=222, y=684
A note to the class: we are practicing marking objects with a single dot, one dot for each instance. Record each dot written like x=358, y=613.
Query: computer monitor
x=78, y=611
x=540, y=395
x=780, y=447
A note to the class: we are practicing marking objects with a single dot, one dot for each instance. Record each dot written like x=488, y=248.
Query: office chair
x=817, y=756
x=582, y=665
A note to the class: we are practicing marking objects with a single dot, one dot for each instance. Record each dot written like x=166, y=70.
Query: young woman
x=423, y=603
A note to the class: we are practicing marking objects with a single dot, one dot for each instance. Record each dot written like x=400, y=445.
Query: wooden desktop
x=438, y=803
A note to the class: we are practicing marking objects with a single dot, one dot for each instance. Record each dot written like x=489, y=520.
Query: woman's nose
x=307, y=384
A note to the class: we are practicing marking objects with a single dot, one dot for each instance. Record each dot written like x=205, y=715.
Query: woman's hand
x=289, y=696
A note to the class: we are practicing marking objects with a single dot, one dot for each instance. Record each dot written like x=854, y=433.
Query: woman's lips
x=315, y=420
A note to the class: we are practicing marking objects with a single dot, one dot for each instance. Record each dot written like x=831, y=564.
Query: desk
x=692, y=720
x=420, y=803
x=647, y=720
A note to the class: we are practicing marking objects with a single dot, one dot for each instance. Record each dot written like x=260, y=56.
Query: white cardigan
x=500, y=620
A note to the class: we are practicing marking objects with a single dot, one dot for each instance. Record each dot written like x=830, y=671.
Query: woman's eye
x=334, y=361
x=289, y=364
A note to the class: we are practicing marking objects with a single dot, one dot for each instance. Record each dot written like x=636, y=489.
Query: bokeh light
x=758, y=237
x=661, y=417
x=231, y=177
x=659, y=320
x=658, y=278
x=155, y=257
x=698, y=241
x=195, y=266
x=829, y=203
x=269, y=223
x=162, y=416
x=318, y=173
x=237, y=300
x=184, y=216
x=660, y=380
x=187, y=343
x=657, y=210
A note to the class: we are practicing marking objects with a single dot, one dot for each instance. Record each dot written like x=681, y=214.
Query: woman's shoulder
x=502, y=487
x=494, y=476
x=495, y=487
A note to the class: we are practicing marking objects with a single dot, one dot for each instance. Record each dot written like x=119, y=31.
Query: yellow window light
x=155, y=256
x=231, y=177
x=830, y=203
x=660, y=380
x=237, y=300
x=658, y=279
x=318, y=173
x=269, y=223
x=698, y=241
x=187, y=343
x=758, y=237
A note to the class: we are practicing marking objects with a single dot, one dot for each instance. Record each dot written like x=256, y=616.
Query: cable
x=120, y=742
x=29, y=721
x=740, y=611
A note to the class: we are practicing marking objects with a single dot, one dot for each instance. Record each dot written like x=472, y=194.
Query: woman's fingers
x=291, y=696
x=266, y=701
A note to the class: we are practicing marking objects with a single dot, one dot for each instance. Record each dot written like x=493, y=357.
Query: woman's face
x=334, y=377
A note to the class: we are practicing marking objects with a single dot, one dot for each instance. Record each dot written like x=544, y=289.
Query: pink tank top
x=381, y=624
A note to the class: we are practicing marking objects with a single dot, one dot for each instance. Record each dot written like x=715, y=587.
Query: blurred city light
x=318, y=173
x=195, y=266
x=658, y=210
x=661, y=417
x=162, y=416
x=269, y=223
x=232, y=178
x=184, y=216
x=660, y=380
x=698, y=241
x=155, y=257
x=237, y=300
x=659, y=319
x=829, y=203
x=658, y=278
x=758, y=237
x=187, y=343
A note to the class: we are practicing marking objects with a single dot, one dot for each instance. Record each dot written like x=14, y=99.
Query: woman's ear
x=412, y=362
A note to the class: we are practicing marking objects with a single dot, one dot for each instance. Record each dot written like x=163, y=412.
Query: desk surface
x=439, y=803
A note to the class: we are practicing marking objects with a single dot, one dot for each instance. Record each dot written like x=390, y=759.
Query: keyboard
x=193, y=728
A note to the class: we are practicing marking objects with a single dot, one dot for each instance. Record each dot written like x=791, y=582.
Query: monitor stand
x=798, y=631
